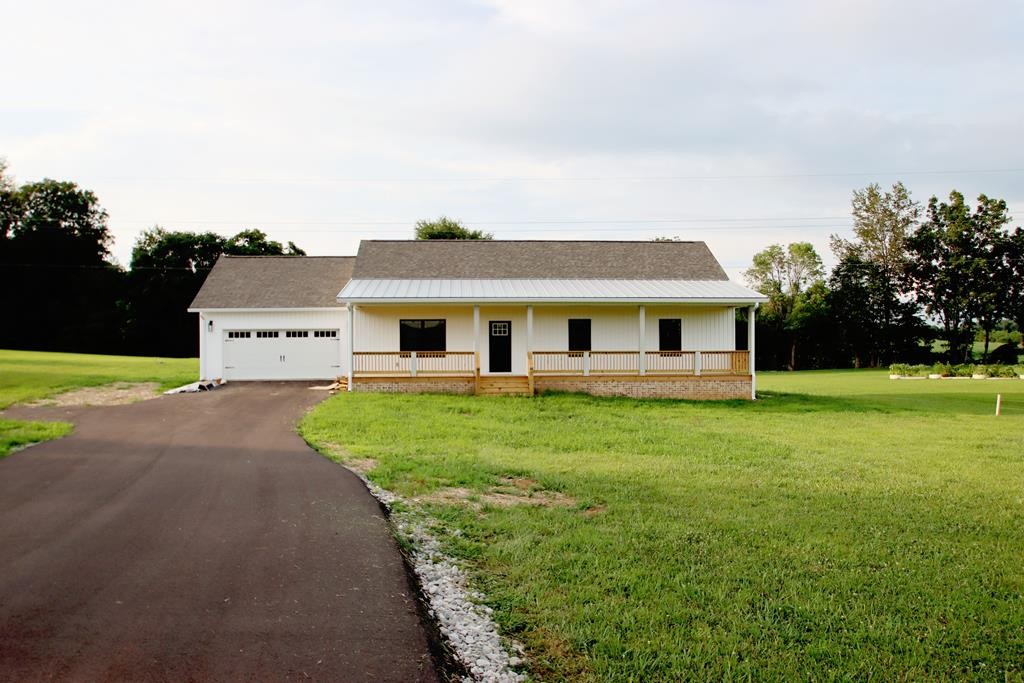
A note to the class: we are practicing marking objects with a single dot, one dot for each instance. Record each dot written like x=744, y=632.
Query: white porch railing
x=628, y=362
x=464, y=363
x=413, y=363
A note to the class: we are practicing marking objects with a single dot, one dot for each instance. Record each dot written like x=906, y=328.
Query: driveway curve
x=197, y=537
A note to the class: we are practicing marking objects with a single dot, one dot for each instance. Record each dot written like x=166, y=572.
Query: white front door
x=281, y=354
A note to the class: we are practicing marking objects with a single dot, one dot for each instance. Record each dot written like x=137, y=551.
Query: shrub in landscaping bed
x=905, y=370
x=962, y=370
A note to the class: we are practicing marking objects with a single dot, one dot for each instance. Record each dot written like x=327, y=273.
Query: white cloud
x=231, y=115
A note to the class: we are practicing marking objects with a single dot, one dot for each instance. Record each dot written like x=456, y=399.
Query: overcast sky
x=737, y=123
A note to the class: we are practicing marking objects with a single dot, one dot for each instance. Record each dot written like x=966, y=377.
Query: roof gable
x=487, y=259
x=274, y=282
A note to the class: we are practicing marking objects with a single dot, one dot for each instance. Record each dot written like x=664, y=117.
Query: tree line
x=908, y=278
x=63, y=291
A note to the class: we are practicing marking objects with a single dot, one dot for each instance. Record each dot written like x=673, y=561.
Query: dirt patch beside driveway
x=116, y=394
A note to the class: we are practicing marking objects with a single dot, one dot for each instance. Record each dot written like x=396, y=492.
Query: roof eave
x=266, y=309
x=560, y=300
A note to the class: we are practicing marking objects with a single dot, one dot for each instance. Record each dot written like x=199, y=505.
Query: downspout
x=202, y=347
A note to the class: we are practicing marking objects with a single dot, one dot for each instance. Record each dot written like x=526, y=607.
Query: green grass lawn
x=30, y=375
x=16, y=434
x=846, y=526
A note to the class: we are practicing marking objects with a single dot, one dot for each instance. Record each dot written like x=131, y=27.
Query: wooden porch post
x=529, y=329
x=476, y=349
x=351, y=342
x=476, y=334
x=643, y=340
x=529, y=347
x=750, y=351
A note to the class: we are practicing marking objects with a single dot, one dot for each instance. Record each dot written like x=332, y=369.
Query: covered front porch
x=637, y=350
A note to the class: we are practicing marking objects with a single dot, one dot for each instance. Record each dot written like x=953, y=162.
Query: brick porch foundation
x=415, y=385
x=697, y=388
x=702, y=388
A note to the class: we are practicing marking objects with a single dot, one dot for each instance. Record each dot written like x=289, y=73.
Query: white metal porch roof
x=545, y=290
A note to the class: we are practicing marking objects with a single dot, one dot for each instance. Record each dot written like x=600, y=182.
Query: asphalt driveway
x=197, y=537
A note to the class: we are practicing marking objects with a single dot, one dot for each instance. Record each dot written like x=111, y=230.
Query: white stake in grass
x=999, y=403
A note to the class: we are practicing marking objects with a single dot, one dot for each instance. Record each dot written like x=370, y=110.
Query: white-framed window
x=499, y=329
x=266, y=334
x=421, y=335
x=295, y=334
x=325, y=334
x=239, y=334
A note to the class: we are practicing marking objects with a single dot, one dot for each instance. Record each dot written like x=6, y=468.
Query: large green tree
x=445, y=228
x=167, y=269
x=871, y=274
x=1013, y=255
x=957, y=268
x=8, y=205
x=792, y=279
x=59, y=285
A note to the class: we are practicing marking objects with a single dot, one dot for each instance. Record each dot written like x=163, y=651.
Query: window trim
x=661, y=340
x=589, y=334
x=403, y=339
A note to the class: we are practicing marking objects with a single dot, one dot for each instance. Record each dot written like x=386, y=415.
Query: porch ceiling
x=547, y=290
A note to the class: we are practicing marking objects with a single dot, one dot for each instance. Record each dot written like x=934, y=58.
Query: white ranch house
x=644, y=319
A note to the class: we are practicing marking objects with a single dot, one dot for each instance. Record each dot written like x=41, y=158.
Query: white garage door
x=281, y=354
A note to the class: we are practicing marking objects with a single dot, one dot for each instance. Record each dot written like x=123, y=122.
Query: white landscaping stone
x=467, y=626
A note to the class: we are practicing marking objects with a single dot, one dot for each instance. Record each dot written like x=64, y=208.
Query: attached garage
x=281, y=354
x=273, y=318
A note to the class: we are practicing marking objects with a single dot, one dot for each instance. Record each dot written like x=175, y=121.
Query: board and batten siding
x=211, y=342
x=704, y=329
x=377, y=328
x=613, y=328
x=617, y=328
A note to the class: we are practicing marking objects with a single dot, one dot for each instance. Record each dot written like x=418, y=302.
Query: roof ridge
x=281, y=256
x=465, y=241
x=531, y=279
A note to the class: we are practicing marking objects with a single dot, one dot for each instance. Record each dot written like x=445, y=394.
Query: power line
x=405, y=231
x=113, y=266
x=532, y=221
x=545, y=179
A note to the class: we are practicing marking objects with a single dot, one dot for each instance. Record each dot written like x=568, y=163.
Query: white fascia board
x=338, y=308
x=648, y=300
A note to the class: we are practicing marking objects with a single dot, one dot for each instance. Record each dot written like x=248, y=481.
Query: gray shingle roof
x=484, y=259
x=275, y=282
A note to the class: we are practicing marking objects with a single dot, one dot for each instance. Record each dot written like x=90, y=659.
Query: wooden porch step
x=503, y=385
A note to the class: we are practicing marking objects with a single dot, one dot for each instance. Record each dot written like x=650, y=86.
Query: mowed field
x=30, y=375
x=846, y=526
